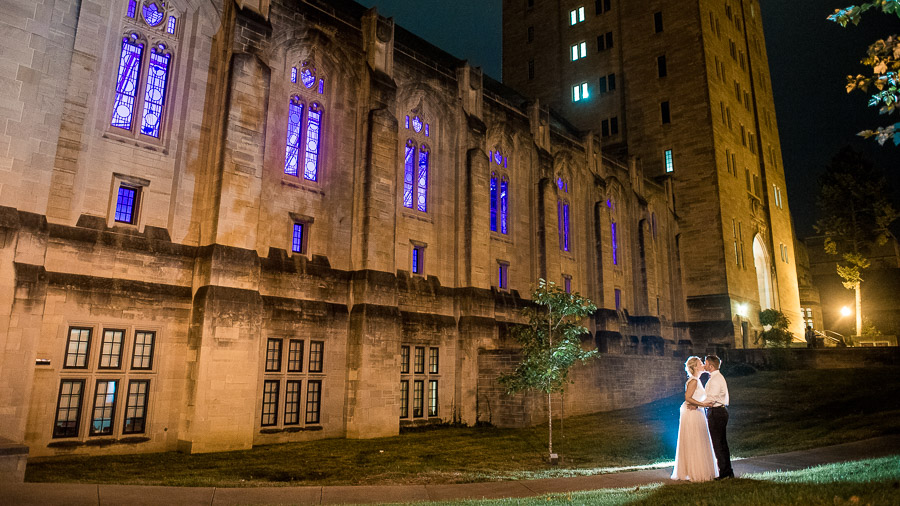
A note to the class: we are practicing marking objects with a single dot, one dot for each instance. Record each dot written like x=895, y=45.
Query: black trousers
x=717, y=418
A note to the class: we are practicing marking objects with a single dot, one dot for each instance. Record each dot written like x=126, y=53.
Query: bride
x=694, y=459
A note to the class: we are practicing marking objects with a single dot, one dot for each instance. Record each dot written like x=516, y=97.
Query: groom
x=717, y=415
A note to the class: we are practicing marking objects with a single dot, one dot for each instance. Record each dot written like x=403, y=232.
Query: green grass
x=874, y=481
x=771, y=412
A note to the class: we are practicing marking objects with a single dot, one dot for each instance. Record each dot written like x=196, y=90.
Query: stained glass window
x=313, y=122
x=155, y=94
x=504, y=205
x=127, y=83
x=132, y=8
x=126, y=203
x=493, y=203
x=422, y=202
x=409, y=171
x=297, y=242
x=426, y=129
x=293, y=74
x=292, y=149
x=153, y=15
x=307, y=77
x=321, y=86
x=170, y=27
x=417, y=124
x=407, y=122
x=562, y=209
x=615, y=245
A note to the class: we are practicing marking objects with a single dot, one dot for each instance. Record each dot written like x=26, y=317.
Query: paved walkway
x=48, y=494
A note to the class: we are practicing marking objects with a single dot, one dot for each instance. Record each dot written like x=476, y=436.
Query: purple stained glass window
x=127, y=83
x=409, y=174
x=307, y=77
x=321, y=86
x=562, y=184
x=292, y=149
x=417, y=124
x=407, y=122
x=494, y=204
x=293, y=74
x=170, y=27
x=562, y=209
x=609, y=203
x=313, y=123
x=504, y=205
x=422, y=201
x=615, y=245
x=132, y=8
x=426, y=129
x=153, y=15
x=155, y=94
x=125, y=204
x=297, y=243
x=498, y=158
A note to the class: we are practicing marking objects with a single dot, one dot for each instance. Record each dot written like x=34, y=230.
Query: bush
x=777, y=334
x=737, y=369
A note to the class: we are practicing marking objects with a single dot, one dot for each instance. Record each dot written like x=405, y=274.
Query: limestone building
x=235, y=222
x=684, y=87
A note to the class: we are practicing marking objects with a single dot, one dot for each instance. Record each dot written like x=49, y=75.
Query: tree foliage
x=884, y=58
x=551, y=343
x=777, y=334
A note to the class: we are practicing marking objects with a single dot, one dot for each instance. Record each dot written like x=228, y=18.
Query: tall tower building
x=683, y=87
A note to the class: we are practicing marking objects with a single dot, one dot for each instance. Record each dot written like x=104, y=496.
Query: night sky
x=809, y=58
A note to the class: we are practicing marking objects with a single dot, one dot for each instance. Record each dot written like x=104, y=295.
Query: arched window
x=145, y=68
x=562, y=213
x=499, y=194
x=614, y=231
x=304, y=128
x=416, y=166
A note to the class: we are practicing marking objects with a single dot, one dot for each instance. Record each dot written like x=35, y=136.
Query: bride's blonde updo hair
x=692, y=365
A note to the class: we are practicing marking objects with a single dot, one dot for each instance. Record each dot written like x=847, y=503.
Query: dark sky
x=809, y=58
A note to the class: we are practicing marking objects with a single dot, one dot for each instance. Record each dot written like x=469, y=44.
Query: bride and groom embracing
x=701, y=428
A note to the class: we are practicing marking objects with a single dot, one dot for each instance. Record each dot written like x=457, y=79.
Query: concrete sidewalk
x=47, y=494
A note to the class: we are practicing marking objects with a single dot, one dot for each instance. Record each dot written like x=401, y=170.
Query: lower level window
x=104, y=407
x=432, y=398
x=313, y=400
x=292, y=403
x=418, y=398
x=136, y=407
x=404, y=399
x=68, y=408
x=270, y=403
x=127, y=204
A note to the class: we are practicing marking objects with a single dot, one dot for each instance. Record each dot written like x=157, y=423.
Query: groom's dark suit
x=717, y=419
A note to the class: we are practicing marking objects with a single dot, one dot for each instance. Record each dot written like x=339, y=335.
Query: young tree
x=551, y=344
x=855, y=215
x=884, y=58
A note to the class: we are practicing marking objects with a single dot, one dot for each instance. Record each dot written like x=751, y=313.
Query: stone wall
x=828, y=358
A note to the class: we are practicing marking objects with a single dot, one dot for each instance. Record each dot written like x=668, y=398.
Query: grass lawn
x=874, y=481
x=771, y=412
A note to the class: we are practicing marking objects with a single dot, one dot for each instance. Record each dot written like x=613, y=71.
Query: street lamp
x=846, y=311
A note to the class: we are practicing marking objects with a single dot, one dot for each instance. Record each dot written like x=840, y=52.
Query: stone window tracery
x=416, y=163
x=499, y=192
x=304, y=124
x=562, y=212
x=144, y=69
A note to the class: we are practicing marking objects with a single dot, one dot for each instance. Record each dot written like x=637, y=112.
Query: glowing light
x=846, y=311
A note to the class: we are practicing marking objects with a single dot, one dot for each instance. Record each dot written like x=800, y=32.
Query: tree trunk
x=550, y=420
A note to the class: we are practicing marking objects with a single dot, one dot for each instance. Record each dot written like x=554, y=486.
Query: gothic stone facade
x=684, y=87
x=236, y=223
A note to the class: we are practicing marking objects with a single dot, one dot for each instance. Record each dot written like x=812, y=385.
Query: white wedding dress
x=694, y=457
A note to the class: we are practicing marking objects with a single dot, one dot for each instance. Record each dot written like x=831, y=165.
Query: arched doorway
x=763, y=274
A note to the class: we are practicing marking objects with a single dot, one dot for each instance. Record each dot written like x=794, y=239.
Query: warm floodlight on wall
x=742, y=310
x=846, y=311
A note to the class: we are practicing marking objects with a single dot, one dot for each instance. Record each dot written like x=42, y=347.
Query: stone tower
x=684, y=87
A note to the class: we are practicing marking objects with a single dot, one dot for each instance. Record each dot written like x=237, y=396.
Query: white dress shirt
x=717, y=389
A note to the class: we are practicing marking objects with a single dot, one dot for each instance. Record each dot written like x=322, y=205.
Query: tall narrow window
x=562, y=211
x=316, y=356
x=432, y=398
x=503, y=275
x=580, y=92
x=419, y=367
x=576, y=16
x=670, y=164
x=567, y=283
x=615, y=244
x=311, y=167
x=618, y=299
x=494, y=209
x=273, y=355
x=661, y=69
x=433, y=355
x=104, y=408
x=404, y=360
x=300, y=237
x=404, y=399
x=665, y=115
x=292, y=149
x=136, y=407
x=127, y=204
x=295, y=356
x=270, y=403
x=155, y=93
x=418, y=398
x=292, y=402
x=313, y=400
x=77, y=348
x=409, y=173
x=111, y=349
x=127, y=81
x=422, y=179
x=68, y=408
x=142, y=352
x=504, y=205
x=657, y=22
x=418, y=259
